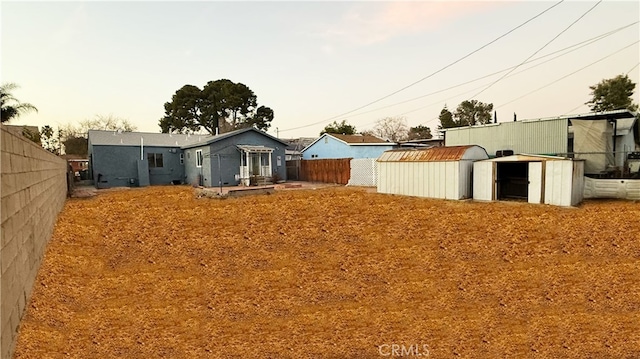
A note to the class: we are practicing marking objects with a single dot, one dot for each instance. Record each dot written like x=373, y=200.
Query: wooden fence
x=327, y=171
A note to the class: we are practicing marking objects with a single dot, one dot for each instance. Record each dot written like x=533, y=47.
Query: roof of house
x=212, y=139
x=18, y=129
x=434, y=154
x=117, y=138
x=353, y=140
x=358, y=138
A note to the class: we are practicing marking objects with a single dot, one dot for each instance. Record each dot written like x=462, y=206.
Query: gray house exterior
x=140, y=159
x=232, y=158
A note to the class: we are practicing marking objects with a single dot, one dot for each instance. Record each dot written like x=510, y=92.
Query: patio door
x=255, y=164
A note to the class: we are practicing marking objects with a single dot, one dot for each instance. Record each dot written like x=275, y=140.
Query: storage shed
x=537, y=179
x=437, y=172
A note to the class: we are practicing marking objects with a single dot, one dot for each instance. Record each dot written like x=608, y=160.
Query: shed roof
x=116, y=138
x=434, y=154
x=528, y=158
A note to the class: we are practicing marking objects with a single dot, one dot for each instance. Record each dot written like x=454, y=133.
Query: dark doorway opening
x=513, y=180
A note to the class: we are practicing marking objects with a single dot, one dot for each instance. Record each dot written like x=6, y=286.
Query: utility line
x=564, y=77
x=631, y=69
x=430, y=75
x=547, y=85
x=540, y=49
x=573, y=48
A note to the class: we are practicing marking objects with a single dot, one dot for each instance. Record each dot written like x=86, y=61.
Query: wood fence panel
x=326, y=170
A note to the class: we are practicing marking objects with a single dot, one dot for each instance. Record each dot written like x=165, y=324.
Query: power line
x=540, y=49
x=575, y=47
x=430, y=75
x=564, y=77
x=631, y=69
x=547, y=85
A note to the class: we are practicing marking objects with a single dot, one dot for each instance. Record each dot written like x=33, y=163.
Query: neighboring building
x=142, y=159
x=437, y=172
x=295, y=146
x=537, y=179
x=603, y=139
x=331, y=145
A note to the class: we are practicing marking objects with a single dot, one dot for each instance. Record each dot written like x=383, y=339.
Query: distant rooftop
x=117, y=138
x=358, y=138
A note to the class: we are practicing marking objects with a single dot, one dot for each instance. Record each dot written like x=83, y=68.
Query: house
x=331, y=145
x=436, y=172
x=79, y=165
x=602, y=139
x=235, y=158
x=537, y=179
x=141, y=159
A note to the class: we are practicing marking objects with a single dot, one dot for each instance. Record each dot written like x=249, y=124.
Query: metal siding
x=483, y=181
x=533, y=137
x=535, y=182
x=558, y=183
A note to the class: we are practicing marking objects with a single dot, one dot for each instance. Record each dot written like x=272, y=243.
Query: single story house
x=140, y=159
x=332, y=145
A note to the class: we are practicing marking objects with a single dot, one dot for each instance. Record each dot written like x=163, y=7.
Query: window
x=182, y=158
x=155, y=160
x=199, y=158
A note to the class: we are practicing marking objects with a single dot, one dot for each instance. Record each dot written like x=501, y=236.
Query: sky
x=315, y=62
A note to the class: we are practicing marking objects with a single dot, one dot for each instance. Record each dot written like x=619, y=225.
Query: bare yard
x=334, y=273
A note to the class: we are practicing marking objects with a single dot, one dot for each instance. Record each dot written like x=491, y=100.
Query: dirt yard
x=335, y=273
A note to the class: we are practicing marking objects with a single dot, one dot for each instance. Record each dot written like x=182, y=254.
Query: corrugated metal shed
x=438, y=172
x=433, y=154
x=537, y=136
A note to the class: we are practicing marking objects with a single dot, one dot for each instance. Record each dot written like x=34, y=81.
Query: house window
x=182, y=158
x=155, y=160
x=199, y=158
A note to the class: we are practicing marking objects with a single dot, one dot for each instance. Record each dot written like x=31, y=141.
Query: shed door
x=483, y=181
x=535, y=182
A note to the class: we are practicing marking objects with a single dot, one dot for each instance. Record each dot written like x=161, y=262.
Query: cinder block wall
x=34, y=189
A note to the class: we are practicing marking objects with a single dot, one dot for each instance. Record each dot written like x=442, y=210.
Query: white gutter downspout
x=141, y=149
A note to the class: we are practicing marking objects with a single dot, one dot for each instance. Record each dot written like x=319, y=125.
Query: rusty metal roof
x=433, y=154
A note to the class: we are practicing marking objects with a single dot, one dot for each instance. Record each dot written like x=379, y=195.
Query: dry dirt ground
x=335, y=273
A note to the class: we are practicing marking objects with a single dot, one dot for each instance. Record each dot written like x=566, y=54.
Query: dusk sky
x=311, y=62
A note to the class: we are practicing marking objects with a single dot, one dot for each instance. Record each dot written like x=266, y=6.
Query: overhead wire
x=575, y=47
x=540, y=49
x=430, y=75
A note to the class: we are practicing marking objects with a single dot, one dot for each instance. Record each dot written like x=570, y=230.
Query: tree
x=10, y=107
x=472, y=112
x=419, y=132
x=613, y=94
x=392, y=129
x=220, y=106
x=340, y=128
x=74, y=137
x=49, y=139
x=446, y=119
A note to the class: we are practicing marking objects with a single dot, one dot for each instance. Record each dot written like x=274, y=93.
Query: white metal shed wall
x=483, y=180
x=425, y=179
x=535, y=137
